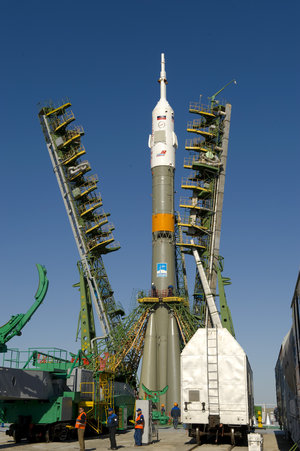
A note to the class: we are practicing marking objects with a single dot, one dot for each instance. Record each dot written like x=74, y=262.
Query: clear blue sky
x=106, y=57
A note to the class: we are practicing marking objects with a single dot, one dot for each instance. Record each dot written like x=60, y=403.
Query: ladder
x=212, y=375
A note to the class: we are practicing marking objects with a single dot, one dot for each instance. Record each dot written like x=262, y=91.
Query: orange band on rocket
x=163, y=222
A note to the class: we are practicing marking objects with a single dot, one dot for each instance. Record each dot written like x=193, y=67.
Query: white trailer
x=216, y=386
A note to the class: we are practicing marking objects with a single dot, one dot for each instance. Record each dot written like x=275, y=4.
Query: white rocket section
x=163, y=141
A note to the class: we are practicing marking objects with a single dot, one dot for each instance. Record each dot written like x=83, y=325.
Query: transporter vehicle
x=216, y=384
x=287, y=374
x=216, y=379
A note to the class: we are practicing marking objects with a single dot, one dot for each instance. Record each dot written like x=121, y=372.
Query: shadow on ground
x=282, y=442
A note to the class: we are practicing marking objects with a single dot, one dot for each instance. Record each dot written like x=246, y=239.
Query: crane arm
x=215, y=317
x=213, y=97
x=14, y=326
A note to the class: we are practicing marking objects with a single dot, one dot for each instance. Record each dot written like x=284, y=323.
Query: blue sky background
x=106, y=57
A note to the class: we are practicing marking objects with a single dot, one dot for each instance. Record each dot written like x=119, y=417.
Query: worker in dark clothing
x=162, y=409
x=153, y=290
x=112, y=423
x=170, y=290
x=139, y=428
x=175, y=414
x=80, y=426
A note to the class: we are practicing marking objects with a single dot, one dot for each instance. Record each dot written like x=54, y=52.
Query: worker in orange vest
x=139, y=428
x=80, y=426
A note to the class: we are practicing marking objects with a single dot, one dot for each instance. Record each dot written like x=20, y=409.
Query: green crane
x=16, y=323
x=213, y=97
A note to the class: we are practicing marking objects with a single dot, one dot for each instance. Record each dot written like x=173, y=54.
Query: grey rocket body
x=161, y=358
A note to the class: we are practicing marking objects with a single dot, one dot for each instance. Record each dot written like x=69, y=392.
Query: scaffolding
x=202, y=210
x=92, y=232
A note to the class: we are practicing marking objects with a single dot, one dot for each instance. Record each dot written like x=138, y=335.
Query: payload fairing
x=161, y=358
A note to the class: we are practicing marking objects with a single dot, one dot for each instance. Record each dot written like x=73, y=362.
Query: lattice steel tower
x=202, y=210
x=89, y=222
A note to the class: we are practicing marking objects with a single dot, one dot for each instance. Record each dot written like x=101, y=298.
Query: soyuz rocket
x=161, y=357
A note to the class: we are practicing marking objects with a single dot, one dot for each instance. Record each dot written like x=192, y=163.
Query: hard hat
x=163, y=405
x=175, y=404
x=139, y=410
x=110, y=409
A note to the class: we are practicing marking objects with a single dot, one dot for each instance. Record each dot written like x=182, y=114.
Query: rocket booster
x=163, y=144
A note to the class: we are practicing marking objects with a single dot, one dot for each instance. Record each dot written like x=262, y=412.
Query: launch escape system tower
x=163, y=322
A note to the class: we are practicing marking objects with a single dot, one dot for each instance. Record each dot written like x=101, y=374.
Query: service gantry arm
x=206, y=181
x=91, y=230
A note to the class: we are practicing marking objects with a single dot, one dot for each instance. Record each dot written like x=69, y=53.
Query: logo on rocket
x=161, y=270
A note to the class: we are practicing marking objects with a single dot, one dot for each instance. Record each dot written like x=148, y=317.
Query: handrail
x=73, y=152
x=198, y=124
x=197, y=184
x=194, y=141
x=58, y=121
x=98, y=220
x=196, y=241
x=90, y=204
x=198, y=203
x=200, y=107
x=187, y=219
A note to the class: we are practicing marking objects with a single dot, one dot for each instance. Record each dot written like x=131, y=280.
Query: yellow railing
x=195, y=184
x=73, y=152
x=197, y=106
x=76, y=130
x=96, y=201
x=198, y=242
x=195, y=203
x=188, y=220
x=197, y=125
x=98, y=221
x=59, y=121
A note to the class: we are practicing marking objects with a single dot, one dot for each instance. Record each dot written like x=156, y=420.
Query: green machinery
x=37, y=395
x=154, y=396
x=15, y=325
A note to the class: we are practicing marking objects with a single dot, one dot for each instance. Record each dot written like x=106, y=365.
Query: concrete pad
x=169, y=440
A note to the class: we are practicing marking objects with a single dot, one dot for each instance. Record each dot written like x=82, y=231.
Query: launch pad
x=163, y=322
